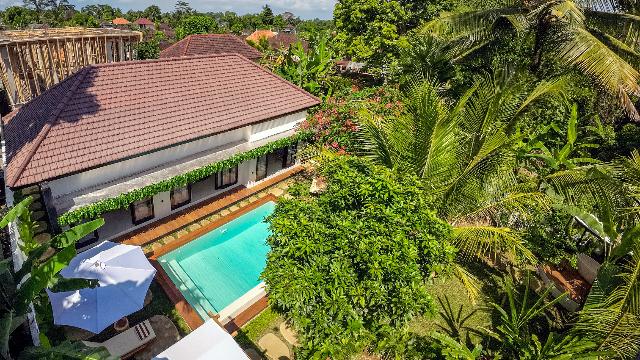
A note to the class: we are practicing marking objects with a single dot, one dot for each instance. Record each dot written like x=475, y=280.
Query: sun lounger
x=128, y=342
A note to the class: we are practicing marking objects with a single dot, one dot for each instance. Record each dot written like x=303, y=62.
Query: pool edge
x=182, y=306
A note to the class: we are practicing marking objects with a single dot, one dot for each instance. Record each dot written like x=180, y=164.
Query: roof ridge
x=80, y=75
x=149, y=61
x=184, y=53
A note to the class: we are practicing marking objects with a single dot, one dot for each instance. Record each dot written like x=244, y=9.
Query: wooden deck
x=190, y=215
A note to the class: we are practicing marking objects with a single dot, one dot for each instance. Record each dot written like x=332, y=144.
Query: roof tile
x=210, y=44
x=109, y=112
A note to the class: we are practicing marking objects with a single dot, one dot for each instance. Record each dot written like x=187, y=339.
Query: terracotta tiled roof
x=110, y=112
x=256, y=35
x=144, y=21
x=120, y=21
x=283, y=41
x=211, y=44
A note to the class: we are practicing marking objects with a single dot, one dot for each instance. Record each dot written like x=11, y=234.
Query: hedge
x=123, y=201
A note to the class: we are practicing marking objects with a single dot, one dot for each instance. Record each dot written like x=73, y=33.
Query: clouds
x=309, y=9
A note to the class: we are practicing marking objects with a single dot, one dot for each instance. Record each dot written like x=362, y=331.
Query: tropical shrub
x=309, y=69
x=347, y=267
x=334, y=124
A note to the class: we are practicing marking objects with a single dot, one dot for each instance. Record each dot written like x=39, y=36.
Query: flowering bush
x=335, y=123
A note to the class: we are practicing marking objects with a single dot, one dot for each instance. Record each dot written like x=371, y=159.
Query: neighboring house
x=120, y=22
x=259, y=34
x=287, y=16
x=289, y=29
x=111, y=129
x=145, y=24
x=283, y=41
x=211, y=44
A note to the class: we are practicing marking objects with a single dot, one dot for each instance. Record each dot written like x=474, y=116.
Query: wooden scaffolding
x=32, y=61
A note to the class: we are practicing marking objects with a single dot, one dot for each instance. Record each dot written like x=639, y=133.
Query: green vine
x=123, y=201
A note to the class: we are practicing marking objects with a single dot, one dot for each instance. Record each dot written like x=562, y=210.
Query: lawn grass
x=452, y=288
x=266, y=321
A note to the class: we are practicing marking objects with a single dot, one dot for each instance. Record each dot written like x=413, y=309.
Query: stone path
x=276, y=346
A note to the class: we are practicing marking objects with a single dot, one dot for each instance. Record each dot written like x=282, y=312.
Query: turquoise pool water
x=219, y=267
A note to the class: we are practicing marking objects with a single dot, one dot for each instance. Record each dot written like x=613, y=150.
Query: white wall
x=119, y=222
x=137, y=165
x=276, y=126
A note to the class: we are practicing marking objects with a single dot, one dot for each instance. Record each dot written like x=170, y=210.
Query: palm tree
x=465, y=155
x=586, y=34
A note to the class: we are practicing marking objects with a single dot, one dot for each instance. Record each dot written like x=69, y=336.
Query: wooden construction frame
x=32, y=61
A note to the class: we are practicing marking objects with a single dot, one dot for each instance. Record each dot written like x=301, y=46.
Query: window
x=180, y=197
x=226, y=178
x=142, y=211
x=290, y=157
x=261, y=167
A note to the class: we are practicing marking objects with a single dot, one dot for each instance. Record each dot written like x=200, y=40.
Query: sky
x=305, y=9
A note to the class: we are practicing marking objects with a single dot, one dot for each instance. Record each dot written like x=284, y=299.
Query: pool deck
x=195, y=222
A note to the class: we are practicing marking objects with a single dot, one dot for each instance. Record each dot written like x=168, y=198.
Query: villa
x=211, y=44
x=113, y=128
x=138, y=142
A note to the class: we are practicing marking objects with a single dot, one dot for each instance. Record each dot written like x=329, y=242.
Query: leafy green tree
x=196, y=24
x=577, y=34
x=266, y=16
x=149, y=49
x=83, y=19
x=347, y=266
x=152, y=13
x=18, y=17
x=370, y=30
x=44, y=261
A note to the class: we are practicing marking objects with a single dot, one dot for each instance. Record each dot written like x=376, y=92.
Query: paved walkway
x=166, y=335
x=275, y=345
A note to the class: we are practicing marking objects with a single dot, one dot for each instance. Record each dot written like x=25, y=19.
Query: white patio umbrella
x=124, y=275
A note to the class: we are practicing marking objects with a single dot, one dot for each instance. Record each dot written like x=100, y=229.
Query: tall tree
x=465, y=154
x=266, y=16
x=152, y=13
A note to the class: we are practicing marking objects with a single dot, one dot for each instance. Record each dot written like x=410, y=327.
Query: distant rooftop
x=143, y=21
x=8, y=36
x=258, y=34
x=211, y=44
x=120, y=21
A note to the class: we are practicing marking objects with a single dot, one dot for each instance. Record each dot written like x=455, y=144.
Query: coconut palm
x=590, y=35
x=464, y=152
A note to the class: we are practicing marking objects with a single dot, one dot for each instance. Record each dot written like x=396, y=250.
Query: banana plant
x=307, y=68
x=40, y=270
x=565, y=156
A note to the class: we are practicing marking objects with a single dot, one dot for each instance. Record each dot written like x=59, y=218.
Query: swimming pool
x=223, y=265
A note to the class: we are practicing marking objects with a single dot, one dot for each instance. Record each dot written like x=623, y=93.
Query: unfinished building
x=32, y=61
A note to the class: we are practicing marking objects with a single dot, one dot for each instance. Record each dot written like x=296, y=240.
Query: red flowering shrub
x=335, y=122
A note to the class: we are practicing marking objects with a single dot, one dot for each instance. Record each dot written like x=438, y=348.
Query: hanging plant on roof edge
x=123, y=201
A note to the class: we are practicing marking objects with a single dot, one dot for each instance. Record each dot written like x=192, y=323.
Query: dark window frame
x=187, y=202
x=144, y=220
x=266, y=167
x=224, y=186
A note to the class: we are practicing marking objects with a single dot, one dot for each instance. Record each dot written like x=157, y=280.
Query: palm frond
x=474, y=26
x=585, y=51
x=478, y=240
x=611, y=315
